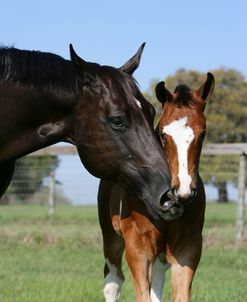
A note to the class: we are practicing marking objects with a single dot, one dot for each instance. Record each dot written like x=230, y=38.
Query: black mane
x=35, y=68
x=129, y=85
x=48, y=70
x=183, y=95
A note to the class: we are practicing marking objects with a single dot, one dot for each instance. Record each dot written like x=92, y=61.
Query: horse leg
x=113, y=274
x=113, y=246
x=183, y=270
x=7, y=169
x=159, y=269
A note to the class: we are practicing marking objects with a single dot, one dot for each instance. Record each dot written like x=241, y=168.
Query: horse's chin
x=173, y=212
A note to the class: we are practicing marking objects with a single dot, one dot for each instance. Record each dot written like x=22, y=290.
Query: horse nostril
x=166, y=202
x=164, y=199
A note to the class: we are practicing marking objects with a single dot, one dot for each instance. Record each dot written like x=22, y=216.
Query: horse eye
x=116, y=122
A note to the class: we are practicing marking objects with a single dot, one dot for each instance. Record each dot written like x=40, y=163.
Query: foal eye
x=203, y=134
x=163, y=135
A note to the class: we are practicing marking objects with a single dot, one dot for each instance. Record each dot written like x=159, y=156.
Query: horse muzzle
x=172, y=206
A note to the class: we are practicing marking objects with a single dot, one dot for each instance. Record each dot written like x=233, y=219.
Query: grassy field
x=61, y=259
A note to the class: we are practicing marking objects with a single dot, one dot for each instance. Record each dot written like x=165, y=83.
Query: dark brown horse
x=45, y=99
x=152, y=246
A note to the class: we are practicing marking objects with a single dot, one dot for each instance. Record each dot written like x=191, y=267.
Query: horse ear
x=132, y=64
x=76, y=60
x=206, y=90
x=82, y=68
x=162, y=94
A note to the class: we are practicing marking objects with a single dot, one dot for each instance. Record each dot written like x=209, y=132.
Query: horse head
x=113, y=130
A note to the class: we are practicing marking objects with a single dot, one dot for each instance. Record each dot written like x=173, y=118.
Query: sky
x=191, y=34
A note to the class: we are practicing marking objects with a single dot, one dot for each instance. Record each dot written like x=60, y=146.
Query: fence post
x=51, y=194
x=241, y=199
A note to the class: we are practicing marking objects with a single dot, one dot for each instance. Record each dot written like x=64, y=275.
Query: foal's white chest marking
x=182, y=136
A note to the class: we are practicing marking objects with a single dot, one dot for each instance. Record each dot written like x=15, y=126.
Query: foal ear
x=162, y=94
x=206, y=90
x=132, y=64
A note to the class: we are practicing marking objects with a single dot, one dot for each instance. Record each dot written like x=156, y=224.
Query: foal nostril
x=173, y=191
x=188, y=197
x=184, y=197
x=193, y=193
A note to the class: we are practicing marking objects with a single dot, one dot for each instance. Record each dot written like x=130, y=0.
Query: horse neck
x=33, y=119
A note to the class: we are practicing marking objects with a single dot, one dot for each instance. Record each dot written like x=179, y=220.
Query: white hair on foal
x=182, y=136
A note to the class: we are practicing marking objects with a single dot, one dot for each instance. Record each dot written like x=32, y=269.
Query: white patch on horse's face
x=112, y=284
x=182, y=136
x=138, y=103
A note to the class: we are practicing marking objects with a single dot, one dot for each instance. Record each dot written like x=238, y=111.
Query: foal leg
x=140, y=268
x=159, y=269
x=7, y=169
x=183, y=270
x=140, y=254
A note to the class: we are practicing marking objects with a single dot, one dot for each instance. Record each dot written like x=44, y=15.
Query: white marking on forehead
x=182, y=136
x=138, y=103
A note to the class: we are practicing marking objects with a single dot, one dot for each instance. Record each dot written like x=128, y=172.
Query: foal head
x=182, y=129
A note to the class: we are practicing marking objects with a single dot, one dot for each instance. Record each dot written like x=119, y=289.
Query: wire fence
x=55, y=175
x=35, y=174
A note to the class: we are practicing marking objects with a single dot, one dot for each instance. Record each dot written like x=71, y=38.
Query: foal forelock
x=183, y=96
x=182, y=135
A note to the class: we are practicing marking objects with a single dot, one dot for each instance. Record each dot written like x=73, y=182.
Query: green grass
x=60, y=259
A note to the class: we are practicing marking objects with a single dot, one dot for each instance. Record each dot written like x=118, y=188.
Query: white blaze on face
x=182, y=136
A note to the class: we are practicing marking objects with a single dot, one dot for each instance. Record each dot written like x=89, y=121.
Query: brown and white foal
x=152, y=246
